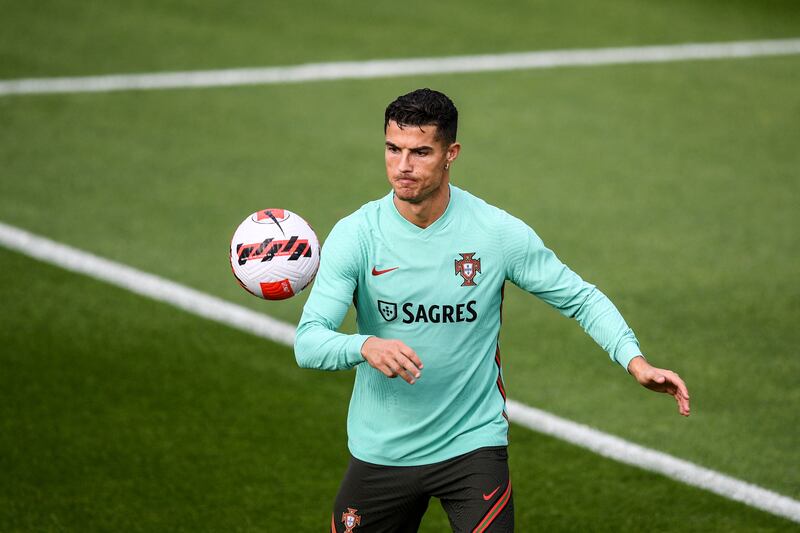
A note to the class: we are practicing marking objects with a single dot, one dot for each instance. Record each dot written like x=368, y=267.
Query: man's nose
x=405, y=162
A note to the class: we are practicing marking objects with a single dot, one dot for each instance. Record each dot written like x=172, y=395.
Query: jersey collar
x=405, y=225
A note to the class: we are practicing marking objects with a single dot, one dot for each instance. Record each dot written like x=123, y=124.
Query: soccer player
x=425, y=267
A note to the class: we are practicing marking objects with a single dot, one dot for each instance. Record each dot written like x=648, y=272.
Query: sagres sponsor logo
x=440, y=313
x=430, y=313
x=270, y=248
x=388, y=310
x=468, y=268
x=350, y=519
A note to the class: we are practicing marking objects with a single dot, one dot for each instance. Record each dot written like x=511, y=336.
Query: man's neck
x=425, y=213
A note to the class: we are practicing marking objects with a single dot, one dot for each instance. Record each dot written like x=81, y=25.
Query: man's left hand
x=660, y=380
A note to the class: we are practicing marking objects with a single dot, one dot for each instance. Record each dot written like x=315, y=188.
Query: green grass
x=673, y=195
x=123, y=414
x=50, y=38
x=673, y=187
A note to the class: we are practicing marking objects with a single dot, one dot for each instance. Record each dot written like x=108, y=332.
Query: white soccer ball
x=274, y=254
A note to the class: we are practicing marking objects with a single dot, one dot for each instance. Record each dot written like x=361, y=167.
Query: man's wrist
x=636, y=364
x=355, y=348
x=625, y=352
x=363, y=346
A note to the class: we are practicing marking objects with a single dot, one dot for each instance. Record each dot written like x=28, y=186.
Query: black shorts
x=474, y=489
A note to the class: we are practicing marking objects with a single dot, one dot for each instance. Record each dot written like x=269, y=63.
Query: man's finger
x=682, y=387
x=411, y=355
x=681, y=394
x=403, y=367
x=398, y=370
x=684, y=402
x=388, y=372
x=683, y=405
x=409, y=366
x=394, y=366
x=406, y=376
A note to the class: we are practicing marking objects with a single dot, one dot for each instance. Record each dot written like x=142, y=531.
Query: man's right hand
x=392, y=357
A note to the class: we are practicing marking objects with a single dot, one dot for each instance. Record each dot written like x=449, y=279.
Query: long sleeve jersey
x=440, y=291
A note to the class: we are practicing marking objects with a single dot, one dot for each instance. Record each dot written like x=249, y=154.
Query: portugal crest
x=350, y=520
x=388, y=310
x=468, y=268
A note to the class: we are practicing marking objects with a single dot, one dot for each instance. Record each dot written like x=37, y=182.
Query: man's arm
x=535, y=268
x=318, y=344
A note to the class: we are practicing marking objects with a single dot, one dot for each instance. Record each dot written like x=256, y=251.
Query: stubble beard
x=414, y=195
x=403, y=195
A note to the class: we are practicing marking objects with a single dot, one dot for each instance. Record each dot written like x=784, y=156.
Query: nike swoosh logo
x=488, y=497
x=376, y=272
x=275, y=220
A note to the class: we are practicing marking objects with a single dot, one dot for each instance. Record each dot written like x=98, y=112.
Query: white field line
x=632, y=454
x=241, y=318
x=145, y=284
x=401, y=67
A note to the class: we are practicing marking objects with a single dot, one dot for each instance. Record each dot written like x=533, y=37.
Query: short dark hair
x=423, y=107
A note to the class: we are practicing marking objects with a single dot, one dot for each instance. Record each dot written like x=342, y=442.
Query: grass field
x=674, y=188
x=138, y=417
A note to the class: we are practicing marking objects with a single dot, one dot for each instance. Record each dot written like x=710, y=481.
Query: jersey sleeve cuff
x=354, y=345
x=626, y=352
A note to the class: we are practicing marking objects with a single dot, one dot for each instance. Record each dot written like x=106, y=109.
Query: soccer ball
x=274, y=254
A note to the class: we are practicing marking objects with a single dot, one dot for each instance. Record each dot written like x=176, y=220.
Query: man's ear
x=452, y=152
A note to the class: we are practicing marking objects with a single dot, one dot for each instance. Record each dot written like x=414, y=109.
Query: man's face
x=415, y=161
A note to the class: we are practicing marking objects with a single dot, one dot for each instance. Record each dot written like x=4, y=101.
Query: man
x=425, y=267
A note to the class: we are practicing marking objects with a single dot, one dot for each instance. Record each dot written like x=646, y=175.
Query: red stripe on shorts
x=494, y=512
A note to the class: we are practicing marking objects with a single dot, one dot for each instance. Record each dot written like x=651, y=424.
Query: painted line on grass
x=633, y=454
x=219, y=310
x=385, y=68
x=144, y=284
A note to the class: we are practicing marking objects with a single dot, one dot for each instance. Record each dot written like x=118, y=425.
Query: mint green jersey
x=440, y=291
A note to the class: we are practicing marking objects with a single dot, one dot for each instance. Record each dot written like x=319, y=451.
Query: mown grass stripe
x=385, y=68
x=212, y=308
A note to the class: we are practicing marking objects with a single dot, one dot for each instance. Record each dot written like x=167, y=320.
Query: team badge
x=350, y=520
x=388, y=310
x=468, y=268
